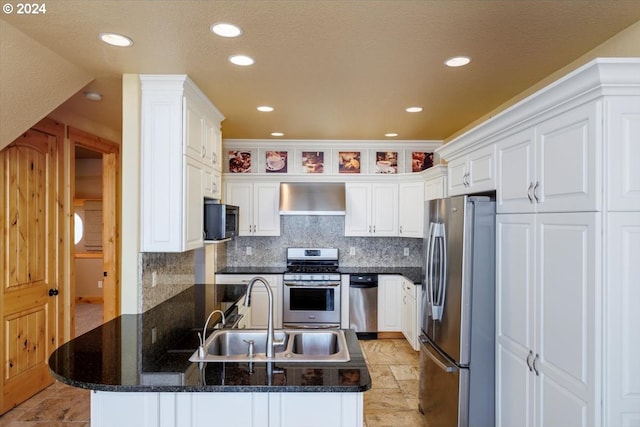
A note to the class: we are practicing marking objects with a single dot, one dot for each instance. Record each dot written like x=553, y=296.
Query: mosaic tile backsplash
x=323, y=231
x=175, y=272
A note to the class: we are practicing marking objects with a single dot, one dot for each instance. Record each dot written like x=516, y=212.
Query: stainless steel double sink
x=249, y=345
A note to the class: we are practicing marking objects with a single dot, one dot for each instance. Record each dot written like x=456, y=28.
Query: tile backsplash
x=323, y=231
x=174, y=272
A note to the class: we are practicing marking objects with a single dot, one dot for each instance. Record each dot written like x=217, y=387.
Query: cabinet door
x=457, y=176
x=567, y=313
x=193, y=218
x=623, y=152
x=621, y=296
x=357, y=220
x=411, y=209
x=385, y=210
x=194, y=135
x=435, y=188
x=516, y=173
x=389, y=303
x=568, y=163
x=515, y=290
x=241, y=195
x=481, y=169
x=212, y=183
x=266, y=209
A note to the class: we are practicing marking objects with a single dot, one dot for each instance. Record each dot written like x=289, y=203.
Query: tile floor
x=392, y=400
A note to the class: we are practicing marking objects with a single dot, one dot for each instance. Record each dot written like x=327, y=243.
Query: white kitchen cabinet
x=390, y=303
x=411, y=297
x=174, y=171
x=547, y=318
x=435, y=183
x=472, y=172
x=554, y=166
x=411, y=209
x=372, y=209
x=259, y=206
x=257, y=315
x=194, y=409
x=622, y=133
x=620, y=341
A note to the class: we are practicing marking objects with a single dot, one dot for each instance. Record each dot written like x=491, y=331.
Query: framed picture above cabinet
x=239, y=161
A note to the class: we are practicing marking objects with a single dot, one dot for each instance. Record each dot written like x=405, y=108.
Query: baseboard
x=89, y=300
x=390, y=335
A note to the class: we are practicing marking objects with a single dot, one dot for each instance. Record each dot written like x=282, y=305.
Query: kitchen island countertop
x=150, y=352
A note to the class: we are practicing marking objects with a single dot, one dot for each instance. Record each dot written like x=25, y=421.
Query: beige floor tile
x=405, y=372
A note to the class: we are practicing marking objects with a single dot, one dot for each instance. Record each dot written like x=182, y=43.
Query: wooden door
x=29, y=232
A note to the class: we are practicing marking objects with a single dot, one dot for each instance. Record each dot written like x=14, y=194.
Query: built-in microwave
x=220, y=221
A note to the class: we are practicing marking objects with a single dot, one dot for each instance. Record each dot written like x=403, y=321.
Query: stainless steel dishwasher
x=363, y=305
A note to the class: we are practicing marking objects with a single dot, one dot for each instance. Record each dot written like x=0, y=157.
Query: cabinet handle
x=369, y=229
x=204, y=152
x=535, y=368
x=529, y=361
x=530, y=192
x=374, y=228
x=536, y=194
x=214, y=158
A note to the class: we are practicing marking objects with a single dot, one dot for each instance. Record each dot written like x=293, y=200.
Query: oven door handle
x=312, y=285
x=311, y=326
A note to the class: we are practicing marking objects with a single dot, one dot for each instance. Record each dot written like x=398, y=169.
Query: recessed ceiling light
x=93, y=96
x=277, y=134
x=391, y=135
x=116, y=39
x=265, y=108
x=457, y=61
x=224, y=29
x=413, y=109
x=242, y=60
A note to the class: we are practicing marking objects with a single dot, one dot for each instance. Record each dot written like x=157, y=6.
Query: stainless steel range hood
x=312, y=198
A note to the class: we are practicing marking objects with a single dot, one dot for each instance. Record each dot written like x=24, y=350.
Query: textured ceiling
x=331, y=69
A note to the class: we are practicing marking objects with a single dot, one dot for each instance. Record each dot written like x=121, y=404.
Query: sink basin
x=232, y=345
x=315, y=344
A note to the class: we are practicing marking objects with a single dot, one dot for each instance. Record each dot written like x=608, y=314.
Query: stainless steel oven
x=311, y=289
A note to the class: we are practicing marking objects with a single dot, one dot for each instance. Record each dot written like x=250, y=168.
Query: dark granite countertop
x=415, y=274
x=120, y=356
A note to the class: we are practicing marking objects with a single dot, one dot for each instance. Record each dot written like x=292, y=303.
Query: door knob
x=53, y=292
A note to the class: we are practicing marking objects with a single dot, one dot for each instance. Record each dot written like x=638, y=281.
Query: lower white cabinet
x=411, y=298
x=256, y=316
x=547, y=320
x=622, y=316
x=389, y=303
x=207, y=409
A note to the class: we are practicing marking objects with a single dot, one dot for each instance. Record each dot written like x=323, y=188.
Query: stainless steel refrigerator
x=457, y=340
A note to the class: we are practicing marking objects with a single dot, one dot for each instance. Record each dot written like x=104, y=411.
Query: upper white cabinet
x=473, y=172
x=411, y=209
x=622, y=147
x=435, y=184
x=259, y=206
x=554, y=166
x=372, y=209
x=176, y=175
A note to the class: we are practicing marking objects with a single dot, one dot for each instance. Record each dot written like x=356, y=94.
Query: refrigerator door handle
x=437, y=358
x=429, y=278
x=437, y=297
